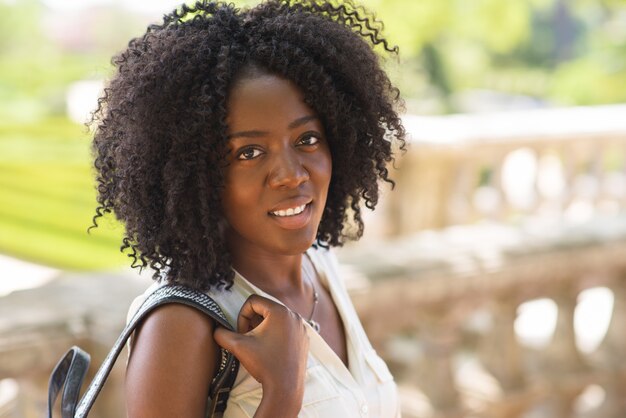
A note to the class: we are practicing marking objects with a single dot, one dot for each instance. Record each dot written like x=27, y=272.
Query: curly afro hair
x=160, y=139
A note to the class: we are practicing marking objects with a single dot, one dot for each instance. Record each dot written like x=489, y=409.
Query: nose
x=287, y=171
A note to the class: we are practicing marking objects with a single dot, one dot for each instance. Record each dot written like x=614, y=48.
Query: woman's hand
x=272, y=344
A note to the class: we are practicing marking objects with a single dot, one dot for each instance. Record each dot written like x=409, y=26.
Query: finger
x=256, y=321
x=245, y=324
x=226, y=338
x=252, y=313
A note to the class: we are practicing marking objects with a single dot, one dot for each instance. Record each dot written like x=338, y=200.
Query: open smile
x=292, y=218
x=289, y=212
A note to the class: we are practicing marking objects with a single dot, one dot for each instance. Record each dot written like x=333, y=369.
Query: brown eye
x=248, y=154
x=309, y=139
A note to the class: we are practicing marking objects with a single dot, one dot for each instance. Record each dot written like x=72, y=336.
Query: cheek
x=239, y=213
x=324, y=168
x=237, y=196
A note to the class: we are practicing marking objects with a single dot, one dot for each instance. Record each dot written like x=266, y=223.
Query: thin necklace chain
x=314, y=324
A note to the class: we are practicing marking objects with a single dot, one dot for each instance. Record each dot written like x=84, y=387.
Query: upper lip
x=291, y=202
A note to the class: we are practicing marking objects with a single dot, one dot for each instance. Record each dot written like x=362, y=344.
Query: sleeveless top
x=331, y=390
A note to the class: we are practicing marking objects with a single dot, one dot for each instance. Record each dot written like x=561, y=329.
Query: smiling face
x=279, y=168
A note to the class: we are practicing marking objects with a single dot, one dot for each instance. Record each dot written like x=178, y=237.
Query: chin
x=297, y=248
x=294, y=244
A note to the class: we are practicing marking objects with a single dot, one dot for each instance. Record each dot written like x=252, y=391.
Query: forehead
x=265, y=102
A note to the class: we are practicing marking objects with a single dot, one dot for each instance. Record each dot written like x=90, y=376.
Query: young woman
x=237, y=146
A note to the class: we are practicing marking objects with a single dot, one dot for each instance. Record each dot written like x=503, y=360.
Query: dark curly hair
x=160, y=139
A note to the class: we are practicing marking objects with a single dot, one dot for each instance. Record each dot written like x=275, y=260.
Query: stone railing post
x=564, y=367
x=499, y=349
x=435, y=377
x=611, y=354
x=424, y=187
x=501, y=354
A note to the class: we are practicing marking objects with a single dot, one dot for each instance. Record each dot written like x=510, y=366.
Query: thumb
x=225, y=338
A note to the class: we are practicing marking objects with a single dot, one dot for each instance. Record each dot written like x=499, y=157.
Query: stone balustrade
x=418, y=295
x=550, y=163
x=491, y=212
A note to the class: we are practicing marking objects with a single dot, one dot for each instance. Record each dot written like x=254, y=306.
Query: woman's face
x=279, y=168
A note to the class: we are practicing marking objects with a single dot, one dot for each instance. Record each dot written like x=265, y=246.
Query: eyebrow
x=256, y=133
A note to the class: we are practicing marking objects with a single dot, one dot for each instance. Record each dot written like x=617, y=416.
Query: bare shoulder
x=173, y=360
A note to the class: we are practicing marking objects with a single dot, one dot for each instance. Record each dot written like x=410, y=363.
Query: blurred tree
x=563, y=51
x=435, y=33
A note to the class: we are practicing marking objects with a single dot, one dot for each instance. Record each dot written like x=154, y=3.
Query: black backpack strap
x=219, y=388
x=69, y=371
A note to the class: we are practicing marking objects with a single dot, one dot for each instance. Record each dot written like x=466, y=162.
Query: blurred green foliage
x=563, y=52
x=47, y=198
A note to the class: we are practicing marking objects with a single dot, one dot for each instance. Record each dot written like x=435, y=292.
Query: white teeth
x=290, y=211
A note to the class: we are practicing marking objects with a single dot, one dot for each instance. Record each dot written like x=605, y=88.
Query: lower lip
x=294, y=221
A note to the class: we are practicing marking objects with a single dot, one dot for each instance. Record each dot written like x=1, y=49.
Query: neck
x=277, y=274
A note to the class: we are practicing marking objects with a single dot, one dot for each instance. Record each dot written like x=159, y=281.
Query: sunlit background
x=455, y=56
x=493, y=64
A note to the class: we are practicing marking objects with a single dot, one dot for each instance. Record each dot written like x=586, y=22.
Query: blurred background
x=502, y=248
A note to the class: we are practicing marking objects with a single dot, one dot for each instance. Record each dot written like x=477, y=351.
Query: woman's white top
x=332, y=390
